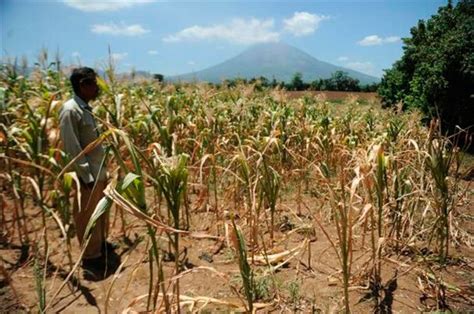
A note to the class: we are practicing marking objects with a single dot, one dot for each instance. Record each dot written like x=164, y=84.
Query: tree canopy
x=436, y=71
x=339, y=81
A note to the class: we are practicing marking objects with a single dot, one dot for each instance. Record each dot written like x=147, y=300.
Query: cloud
x=364, y=67
x=303, y=23
x=240, y=31
x=152, y=52
x=103, y=5
x=374, y=40
x=370, y=41
x=75, y=54
x=191, y=63
x=119, y=30
x=118, y=56
x=392, y=39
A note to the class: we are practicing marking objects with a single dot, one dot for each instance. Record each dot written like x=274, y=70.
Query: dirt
x=304, y=284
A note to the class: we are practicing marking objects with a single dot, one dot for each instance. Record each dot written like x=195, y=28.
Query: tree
x=158, y=77
x=260, y=82
x=369, y=88
x=343, y=82
x=297, y=82
x=436, y=71
x=274, y=83
x=327, y=84
x=316, y=84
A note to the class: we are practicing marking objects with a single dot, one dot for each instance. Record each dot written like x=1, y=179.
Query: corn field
x=234, y=199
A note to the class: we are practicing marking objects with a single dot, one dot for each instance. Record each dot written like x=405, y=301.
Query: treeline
x=339, y=81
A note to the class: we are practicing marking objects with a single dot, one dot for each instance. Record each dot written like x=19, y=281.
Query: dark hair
x=79, y=75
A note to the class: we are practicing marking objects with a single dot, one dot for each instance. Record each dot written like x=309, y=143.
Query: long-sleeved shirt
x=78, y=129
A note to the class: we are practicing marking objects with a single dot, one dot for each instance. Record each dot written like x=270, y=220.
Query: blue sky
x=177, y=37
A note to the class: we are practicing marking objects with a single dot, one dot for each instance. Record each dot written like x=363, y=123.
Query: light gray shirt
x=78, y=129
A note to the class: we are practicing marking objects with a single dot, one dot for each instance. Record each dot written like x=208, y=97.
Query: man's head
x=84, y=83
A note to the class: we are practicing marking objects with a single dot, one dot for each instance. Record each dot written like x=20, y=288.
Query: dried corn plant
x=385, y=183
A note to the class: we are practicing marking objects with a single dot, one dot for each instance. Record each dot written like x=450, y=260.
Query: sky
x=176, y=37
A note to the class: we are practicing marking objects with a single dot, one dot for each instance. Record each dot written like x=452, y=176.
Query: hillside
x=274, y=60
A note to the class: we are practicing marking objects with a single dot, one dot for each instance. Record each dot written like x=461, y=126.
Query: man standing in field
x=79, y=129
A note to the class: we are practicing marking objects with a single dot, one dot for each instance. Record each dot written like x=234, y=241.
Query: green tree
x=158, y=77
x=316, y=84
x=327, y=84
x=297, y=82
x=343, y=82
x=436, y=71
x=370, y=87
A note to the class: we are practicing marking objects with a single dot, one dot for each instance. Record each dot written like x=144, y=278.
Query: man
x=79, y=129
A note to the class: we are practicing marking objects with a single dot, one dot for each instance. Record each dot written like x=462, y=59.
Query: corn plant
x=172, y=177
x=374, y=174
x=394, y=128
x=441, y=159
x=378, y=180
x=401, y=187
x=344, y=222
x=40, y=278
x=249, y=182
x=270, y=184
x=245, y=271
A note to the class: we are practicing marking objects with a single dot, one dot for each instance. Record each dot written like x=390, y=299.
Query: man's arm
x=69, y=122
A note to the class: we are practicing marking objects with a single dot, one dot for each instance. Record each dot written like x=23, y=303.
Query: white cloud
x=116, y=30
x=392, y=39
x=118, y=56
x=103, y=5
x=239, y=31
x=191, y=62
x=370, y=41
x=364, y=67
x=75, y=54
x=152, y=52
x=303, y=23
x=374, y=40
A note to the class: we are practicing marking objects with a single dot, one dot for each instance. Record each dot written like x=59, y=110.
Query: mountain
x=275, y=60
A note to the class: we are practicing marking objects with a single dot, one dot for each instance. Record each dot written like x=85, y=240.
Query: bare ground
x=306, y=283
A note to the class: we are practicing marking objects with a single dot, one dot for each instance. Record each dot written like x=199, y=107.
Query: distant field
x=329, y=95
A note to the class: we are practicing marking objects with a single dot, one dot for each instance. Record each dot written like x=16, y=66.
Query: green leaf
x=129, y=179
x=104, y=205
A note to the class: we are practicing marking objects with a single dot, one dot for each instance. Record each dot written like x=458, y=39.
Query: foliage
x=436, y=71
x=158, y=77
x=339, y=81
x=245, y=270
x=297, y=82
x=294, y=290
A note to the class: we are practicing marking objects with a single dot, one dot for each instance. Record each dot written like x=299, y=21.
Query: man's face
x=89, y=88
